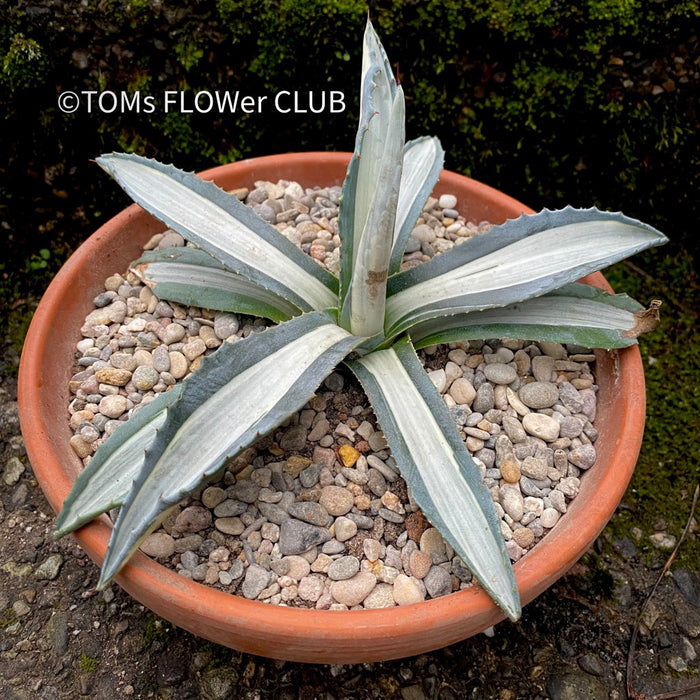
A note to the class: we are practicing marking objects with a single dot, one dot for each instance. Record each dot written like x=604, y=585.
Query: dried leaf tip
x=645, y=320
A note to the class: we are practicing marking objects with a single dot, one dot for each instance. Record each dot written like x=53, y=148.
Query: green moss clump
x=24, y=65
x=87, y=663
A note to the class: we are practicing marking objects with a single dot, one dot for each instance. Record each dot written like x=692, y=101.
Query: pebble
x=539, y=394
x=354, y=590
x=297, y=536
x=49, y=568
x=500, y=373
x=345, y=528
x=541, y=426
x=336, y=500
x=583, y=457
x=408, y=590
x=112, y=406
x=438, y=582
x=343, y=568
x=462, y=391
x=159, y=545
x=256, y=580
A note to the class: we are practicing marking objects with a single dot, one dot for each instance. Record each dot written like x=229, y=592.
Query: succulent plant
x=517, y=281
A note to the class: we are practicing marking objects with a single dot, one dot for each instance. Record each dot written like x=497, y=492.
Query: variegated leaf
x=227, y=229
x=239, y=393
x=106, y=480
x=442, y=477
x=518, y=260
x=577, y=313
x=192, y=277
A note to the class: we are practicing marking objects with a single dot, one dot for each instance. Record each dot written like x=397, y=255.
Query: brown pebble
x=416, y=525
x=510, y=471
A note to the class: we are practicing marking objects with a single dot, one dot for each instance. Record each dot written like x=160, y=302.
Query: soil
x=59, y=641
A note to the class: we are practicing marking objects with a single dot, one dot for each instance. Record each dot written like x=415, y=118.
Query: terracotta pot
x=289, y=633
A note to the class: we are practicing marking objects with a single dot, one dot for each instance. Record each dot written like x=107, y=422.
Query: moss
x=158, y=631
x=87, y=663
x=597, y=581
x=24, y=65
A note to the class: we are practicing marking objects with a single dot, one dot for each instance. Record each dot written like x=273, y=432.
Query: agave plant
x=517, y=281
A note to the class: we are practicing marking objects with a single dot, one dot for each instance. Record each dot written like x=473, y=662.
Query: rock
x=193, y=519
x=576, y=686
x=293, y=439
x=543, y=368
x=310, y=512
x=533, y=468
x=159, y=545
x=438, y=582
x=462, y=391
x=13, y=471
x=382, y=596
x=447, y=201
x=583, y=457
x=353, y=591
x=311, y=588
x=500, y=374
x=296, y=567
x=439, y=379
x=343, y=568
x=297, y=537
x=570, y=397
x=484, y=399
x=178, y=364
x=433, y=545
x=49, y=568
x=255, y=581
x=113, y=376
x=336, y=500
x=145, y=377
x=549, y=517
x=348, y=455
x=113, y=406
x=408, y=590
x=541, y=426
x=523, y=536
x=420, y=564
x=225, y=325
x=510, y=471
x=688, y=583
x=344, y=528
x=512, y=502
x=538, y=394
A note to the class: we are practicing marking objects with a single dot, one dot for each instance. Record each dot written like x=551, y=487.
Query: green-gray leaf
x=520, y=259
x=106, y=480
x=577, y=314
x=443, y=478
x=226, y=228
x=240, y=392
x=422, y=163
x=193, y=277
x=378, y=90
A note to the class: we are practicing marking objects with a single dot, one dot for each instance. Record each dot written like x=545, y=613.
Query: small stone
x=296, y=567
x=212, y=496
x=570, y=397
x=310, y=512
x=533, y=468
x=113, y=406
x=510, y=471
x=193, y=349
x=543, y=368
x=80, y=446
x=500, y=374
x=348, y=455
x=336, y=500
x=438, y=582
x=382, y=596
x=13, y=471
x=484, y=399
x=178, y=363
x=255, y=582
x=159, y=545
x=549, y=517
x=49, y=568
x=447, y=201
x=173, y=333
x=439, y=379
x=225, y=325
x=193, y=519
x=408, y=590
x=229, y=526
x=541, y=426
x=462, y=391
x=354, y=590
x=145, y=377
x=345, y=529
x=512, y=502
x=297, y=537
x=432, y=544
x=419, y=564
x=662, y=540
x=113, y=376
x=311, y=588
x=523, y=536
x=539, y=394
x=583, y=457
x=343, y=568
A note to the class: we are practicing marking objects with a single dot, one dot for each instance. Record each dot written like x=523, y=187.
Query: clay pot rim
x=163, y=590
